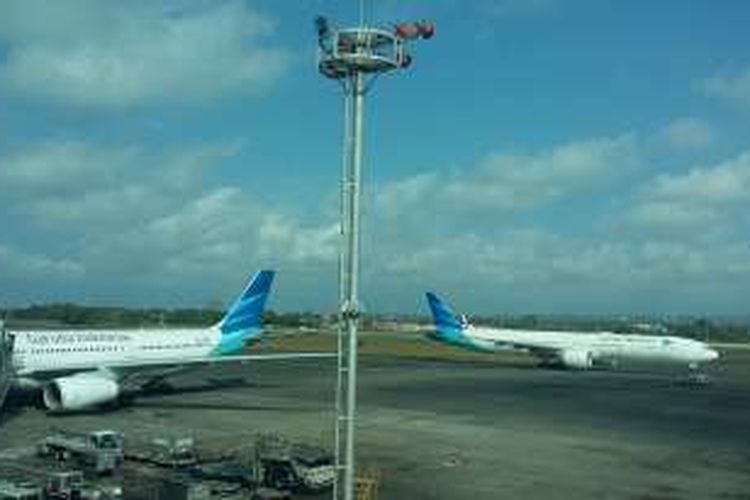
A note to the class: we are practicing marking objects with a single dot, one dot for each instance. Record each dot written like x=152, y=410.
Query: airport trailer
x=101, y=450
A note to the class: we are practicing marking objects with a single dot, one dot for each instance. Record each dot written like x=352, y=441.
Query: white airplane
x=578, y=350
x=85, y=368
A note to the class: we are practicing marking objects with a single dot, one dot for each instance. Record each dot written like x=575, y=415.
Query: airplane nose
x=711, y=355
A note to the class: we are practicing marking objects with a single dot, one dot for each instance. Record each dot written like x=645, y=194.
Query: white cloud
x=515, y=267
x=60, y=167
x=74, y=185
x=428, y=240
x=114, y=54
x=279, y=234
x=226, y=225
x=677, y=217
x=688, y=134
x=735, y=87
x=147, y=218
x=507, y=182
x=36, y=266
x=213, y=236
x=697, y=201
x=198, y=241
x=725, y=183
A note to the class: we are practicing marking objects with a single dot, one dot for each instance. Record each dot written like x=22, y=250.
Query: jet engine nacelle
x=577, y=358
x=78, y=392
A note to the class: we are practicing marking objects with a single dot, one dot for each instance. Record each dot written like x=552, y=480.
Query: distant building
x=651, y=328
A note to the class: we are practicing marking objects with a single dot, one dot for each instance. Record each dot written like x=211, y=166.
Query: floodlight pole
x=354, y=101
x=6, y=367
x=351, y=305
x=354, y=57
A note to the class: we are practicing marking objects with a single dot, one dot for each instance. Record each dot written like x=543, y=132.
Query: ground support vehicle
x=285, y=466
x=166, y=451
x=100, y=450
x=19, y=491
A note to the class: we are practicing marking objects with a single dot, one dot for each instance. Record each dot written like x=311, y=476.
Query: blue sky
x=539, y=156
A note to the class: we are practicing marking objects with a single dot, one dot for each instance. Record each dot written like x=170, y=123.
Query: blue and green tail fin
x=243, y=322
x=449, y=326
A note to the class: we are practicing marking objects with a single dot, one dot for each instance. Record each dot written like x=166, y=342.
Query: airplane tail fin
x=243, y=321
x=449, y=326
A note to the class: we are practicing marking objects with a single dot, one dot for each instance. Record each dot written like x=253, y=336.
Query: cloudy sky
x=539, y=155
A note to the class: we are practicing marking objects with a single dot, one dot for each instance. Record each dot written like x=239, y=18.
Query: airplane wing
x=131, y=366
x=539, y=348
x=140, y=368
x=222, y=359
x=542, y=351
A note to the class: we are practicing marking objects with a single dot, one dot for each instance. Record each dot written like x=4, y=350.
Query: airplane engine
x=78, y=392
x=577, y=358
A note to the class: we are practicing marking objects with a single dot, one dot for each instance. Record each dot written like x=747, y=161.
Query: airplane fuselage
x=596, y=346
x=53, y=351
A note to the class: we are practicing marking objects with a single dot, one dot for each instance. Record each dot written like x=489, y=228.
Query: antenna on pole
x=355, y=57
x=362, y=13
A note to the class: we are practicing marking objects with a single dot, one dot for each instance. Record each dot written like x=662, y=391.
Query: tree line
x=76, y=316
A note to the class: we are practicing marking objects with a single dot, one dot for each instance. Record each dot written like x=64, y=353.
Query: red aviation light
x=412, y=31
x=408, y=31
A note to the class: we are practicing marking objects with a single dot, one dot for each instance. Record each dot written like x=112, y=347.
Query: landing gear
x=550, y=363
x=124, y=399
x=158, y=386
x=695, y=377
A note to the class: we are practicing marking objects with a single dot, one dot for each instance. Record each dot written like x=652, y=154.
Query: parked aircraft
x=85, y=368
x=580, y=350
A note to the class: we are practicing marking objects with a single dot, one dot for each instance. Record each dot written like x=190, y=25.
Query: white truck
x=101, y=450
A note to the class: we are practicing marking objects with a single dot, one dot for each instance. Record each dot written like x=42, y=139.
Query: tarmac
x=476, y=429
